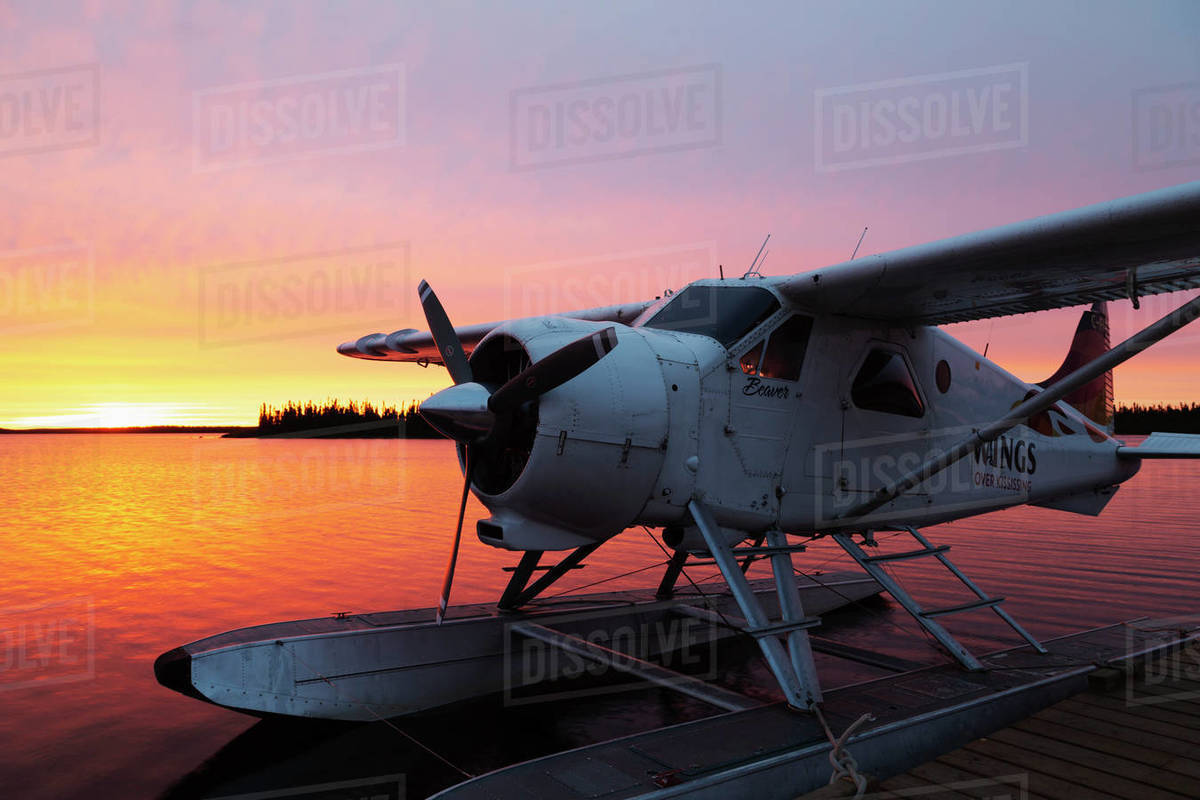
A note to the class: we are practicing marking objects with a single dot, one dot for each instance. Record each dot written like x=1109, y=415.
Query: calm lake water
x=118, y=548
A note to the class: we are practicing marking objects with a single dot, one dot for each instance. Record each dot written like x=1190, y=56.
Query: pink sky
x=128, y=232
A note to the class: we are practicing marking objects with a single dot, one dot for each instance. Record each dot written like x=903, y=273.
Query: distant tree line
x=1135, y=419
x=352, y=419
x=341, y=419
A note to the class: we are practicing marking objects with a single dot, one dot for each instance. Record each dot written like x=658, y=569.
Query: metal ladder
x=793, y=668
x=926, y=617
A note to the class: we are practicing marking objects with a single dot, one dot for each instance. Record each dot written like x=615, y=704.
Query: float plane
x=741, y=417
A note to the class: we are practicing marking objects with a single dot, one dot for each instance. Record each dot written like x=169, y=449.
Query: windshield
x=726, y=313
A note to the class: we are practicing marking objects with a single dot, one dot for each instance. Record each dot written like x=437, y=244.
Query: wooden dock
x=1133, y=735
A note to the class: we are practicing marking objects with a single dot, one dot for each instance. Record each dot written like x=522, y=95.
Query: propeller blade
x=448, y=581
x=552, y=371
x=443, y=335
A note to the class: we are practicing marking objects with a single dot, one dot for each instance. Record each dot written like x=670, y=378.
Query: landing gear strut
x=516, y=594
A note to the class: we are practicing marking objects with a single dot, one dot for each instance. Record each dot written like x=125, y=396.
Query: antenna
x=860, y=238
x=721, y=269
x=750, y=271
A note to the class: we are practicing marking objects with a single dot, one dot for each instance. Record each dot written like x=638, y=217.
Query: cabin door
x=764, y=409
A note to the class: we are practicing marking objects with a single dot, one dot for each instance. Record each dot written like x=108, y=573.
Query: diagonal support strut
x=514, y=598
x=793, y=668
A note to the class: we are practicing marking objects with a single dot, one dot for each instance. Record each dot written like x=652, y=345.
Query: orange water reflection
x=145, y=542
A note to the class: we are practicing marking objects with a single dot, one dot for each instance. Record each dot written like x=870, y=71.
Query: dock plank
x=1132, y=748
x=1141, y=721
x=1118, y=765
x=911, y=785
x=952, y=781
x=1148, y=710
x=1175, y=696
x=1139, y=741
x=1043, y=784
x=1079, y=775
x=1114, y=729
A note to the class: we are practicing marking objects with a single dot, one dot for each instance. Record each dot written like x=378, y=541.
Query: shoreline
x=225, y=429
x=367, y=430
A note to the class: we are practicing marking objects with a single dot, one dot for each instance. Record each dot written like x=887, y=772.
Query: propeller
x=477, y=418
x=448, y=578
x=444, y=336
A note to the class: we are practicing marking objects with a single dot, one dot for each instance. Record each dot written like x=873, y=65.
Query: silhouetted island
x=335, y=419
x=1138, y=419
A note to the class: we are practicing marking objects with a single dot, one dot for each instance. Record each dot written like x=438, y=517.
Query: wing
x=411, y=344
x=1140, y=245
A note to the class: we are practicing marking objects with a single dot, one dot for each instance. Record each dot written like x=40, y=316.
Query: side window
x=785, y=349
x=750, y=359
x=884, y=383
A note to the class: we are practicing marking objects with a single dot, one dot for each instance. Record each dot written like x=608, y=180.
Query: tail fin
x=1094, y=399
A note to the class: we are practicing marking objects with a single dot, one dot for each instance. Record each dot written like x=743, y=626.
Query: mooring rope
x=382, y=719
x=845, y=767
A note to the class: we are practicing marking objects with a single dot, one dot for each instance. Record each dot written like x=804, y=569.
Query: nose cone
x=459, y=412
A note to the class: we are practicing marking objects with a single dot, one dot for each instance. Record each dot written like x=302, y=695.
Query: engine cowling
x=580, y=463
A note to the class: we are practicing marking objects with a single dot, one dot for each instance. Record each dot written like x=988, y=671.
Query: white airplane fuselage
x=671, y=415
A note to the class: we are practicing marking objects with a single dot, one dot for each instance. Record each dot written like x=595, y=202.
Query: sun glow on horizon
x=116, y=415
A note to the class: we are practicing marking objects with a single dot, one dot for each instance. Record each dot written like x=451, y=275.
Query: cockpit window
x=785, y=349
x=751, y=358
x=885, y=383
x=726, y=313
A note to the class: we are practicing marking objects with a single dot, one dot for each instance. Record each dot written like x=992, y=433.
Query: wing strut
x=1123, y=352
x=926, y=616
x=792, y=667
